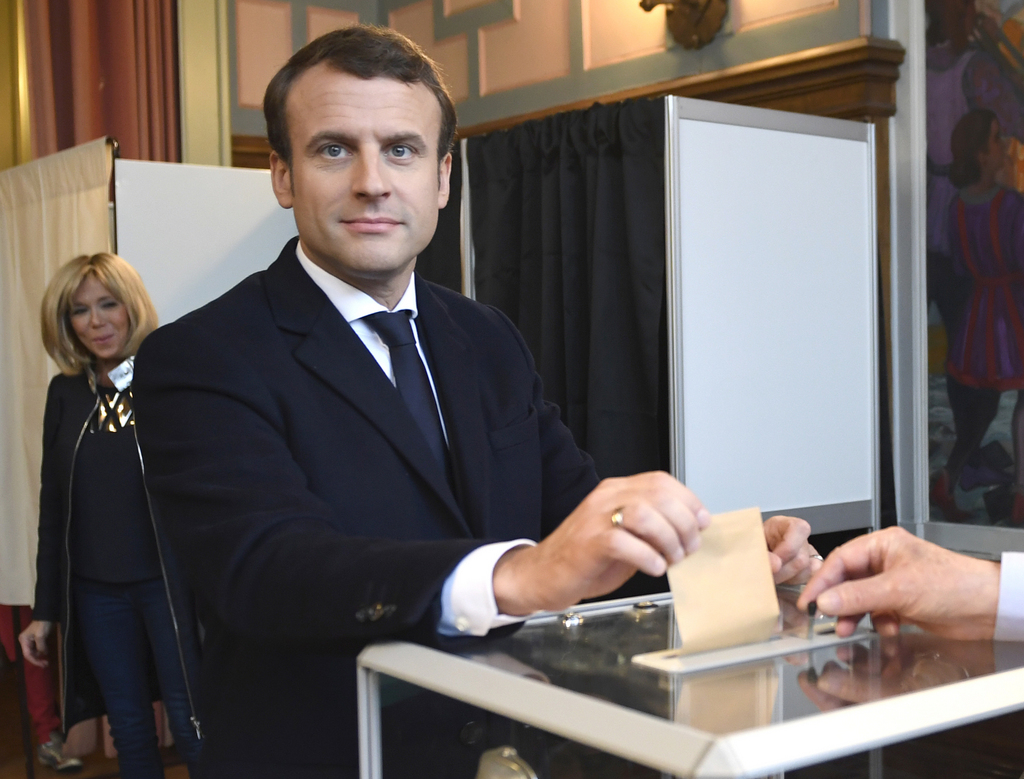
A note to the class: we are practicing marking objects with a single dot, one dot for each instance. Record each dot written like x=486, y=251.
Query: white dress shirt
x=467, y=598
x=1010, y=615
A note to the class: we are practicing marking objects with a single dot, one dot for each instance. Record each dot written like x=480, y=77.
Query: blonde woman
x=102, y=569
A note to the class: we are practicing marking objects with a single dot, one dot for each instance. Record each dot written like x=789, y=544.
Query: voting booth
x=773, y=320
x=194, y=231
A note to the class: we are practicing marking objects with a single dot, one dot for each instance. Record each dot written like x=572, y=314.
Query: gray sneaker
x=52, y=754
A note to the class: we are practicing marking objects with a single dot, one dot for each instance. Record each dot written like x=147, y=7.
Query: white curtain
x=51, y=210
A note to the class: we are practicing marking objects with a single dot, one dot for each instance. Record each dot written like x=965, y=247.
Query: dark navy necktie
x=411, y=379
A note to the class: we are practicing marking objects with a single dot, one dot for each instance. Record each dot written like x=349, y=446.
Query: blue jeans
x=122, y=626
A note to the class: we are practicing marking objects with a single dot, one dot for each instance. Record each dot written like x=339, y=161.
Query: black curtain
x=441, y=261
x=569, y=229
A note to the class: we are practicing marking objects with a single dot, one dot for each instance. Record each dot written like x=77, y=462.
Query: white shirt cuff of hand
x=467, y=598
x=1010, y=613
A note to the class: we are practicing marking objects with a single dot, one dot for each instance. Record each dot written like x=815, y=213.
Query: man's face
x=365, y=182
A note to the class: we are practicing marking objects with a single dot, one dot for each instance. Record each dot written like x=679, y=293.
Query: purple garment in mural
x=958, y=82
x=987, y=243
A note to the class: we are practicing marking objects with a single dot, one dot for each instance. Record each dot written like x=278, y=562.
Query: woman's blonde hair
x=124, y=284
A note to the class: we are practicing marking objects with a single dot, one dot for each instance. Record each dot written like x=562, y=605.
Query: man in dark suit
x=342, y=452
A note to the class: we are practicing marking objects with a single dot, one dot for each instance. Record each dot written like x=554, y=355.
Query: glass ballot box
x=599, y=692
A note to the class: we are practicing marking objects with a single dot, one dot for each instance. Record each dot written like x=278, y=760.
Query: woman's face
x=99, y=320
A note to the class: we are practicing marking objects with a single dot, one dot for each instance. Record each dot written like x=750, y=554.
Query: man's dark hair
x=364, y=51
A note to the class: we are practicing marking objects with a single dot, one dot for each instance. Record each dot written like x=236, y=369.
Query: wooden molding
x=250, y=151
x=855, y=79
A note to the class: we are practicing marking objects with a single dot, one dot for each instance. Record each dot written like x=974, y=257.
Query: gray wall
x=727, y=50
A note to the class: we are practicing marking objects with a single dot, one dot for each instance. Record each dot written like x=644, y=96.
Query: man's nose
x=370, y=176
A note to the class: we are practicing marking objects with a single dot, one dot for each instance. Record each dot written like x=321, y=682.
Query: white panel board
x=194, y=231
x=775, y=281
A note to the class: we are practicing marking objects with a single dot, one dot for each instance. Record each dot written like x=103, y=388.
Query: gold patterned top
x=115, y=410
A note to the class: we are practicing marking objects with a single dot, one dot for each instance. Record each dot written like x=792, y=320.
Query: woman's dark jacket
x=70, y=403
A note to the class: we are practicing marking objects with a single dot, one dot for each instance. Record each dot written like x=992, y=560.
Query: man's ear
x=281, y=180
x=444, y=187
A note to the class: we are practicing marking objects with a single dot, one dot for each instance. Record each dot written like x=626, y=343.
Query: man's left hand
x=793, y=559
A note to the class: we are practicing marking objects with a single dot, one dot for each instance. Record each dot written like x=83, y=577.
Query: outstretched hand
x=588, y=555
x=793, y=560
x=643, y=523
x=899, y=578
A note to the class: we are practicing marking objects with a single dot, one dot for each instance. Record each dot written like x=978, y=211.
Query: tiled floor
x=12, y=756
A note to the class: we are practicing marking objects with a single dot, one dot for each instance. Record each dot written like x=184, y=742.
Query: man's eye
x=333, y=150
x=401, y=152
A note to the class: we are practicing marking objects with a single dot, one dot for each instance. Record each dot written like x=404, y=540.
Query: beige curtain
x=51, y=210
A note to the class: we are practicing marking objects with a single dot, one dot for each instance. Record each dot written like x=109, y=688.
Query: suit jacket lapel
x=456, y=377
x=334, y=353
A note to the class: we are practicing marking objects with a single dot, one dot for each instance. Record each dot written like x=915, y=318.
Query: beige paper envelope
x=724, y=593
x=729, y=701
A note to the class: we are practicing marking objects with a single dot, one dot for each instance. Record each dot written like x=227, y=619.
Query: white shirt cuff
x=467, y=598
x=1010, y=614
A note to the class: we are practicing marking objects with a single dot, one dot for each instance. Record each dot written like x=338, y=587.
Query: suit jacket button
x=369, y=613
x=472, y=733
x=375, y=612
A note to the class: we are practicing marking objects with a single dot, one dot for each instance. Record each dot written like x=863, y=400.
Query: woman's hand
x=33, y=642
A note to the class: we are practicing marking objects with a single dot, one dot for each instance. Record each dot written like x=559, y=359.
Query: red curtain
x=104, y=67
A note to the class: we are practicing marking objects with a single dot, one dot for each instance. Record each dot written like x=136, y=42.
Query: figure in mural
x=971, y=64
x=963, y=74
x=986, y=352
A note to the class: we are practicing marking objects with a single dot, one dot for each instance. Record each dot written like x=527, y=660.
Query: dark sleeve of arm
x=260, y=548
x=51, y=521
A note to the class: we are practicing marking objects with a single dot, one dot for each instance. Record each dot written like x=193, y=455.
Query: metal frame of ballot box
x=661, y=743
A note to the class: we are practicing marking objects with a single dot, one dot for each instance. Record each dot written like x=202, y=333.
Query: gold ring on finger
x=617, y=519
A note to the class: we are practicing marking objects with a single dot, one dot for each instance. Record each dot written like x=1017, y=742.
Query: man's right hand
x=33, y=642
x=588, y=555
x=899, y=578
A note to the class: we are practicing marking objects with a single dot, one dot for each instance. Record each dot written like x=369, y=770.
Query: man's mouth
x=371, y=224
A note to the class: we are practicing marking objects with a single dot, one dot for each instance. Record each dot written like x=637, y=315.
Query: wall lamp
x=693, y=23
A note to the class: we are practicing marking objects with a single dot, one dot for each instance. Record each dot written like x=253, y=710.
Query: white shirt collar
x=352, y=303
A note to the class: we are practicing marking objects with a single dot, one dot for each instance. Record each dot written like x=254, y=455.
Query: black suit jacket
x=308, y=510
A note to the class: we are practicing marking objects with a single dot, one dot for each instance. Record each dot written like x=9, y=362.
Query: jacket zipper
x=67, y=568
x=194, y=719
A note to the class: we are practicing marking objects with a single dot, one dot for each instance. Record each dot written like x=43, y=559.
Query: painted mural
x=975, y=239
